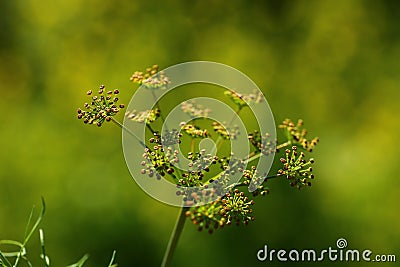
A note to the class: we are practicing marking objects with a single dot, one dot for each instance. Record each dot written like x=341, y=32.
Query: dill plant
x=233, y=204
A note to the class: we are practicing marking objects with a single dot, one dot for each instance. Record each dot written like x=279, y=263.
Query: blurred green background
x=333, y=63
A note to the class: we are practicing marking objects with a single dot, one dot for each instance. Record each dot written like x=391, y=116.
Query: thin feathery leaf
x=111, y=264
x=80, y=262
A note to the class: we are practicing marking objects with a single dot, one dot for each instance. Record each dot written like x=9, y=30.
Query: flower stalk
x=174, y=238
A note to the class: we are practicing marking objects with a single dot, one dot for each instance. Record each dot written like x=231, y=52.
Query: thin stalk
x=173, y=241
x=284, y=145
x=149, y=127
x=128, y=131
x=192, y=145
x=112, y=259
x=254, y=157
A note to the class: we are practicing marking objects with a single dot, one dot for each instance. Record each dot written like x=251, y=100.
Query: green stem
x=150, y=128
x=283, y=145
x=128, y=131
x=192, y=145
x=254, y=157
x=112, y=259
x=173, y=241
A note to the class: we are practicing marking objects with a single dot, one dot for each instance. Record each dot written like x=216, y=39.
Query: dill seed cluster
x=241, y=100
x=193, y=130
x=147, y=116
x=233, y=207
x=102, y=107
x=296, y=169
x=151, y=78
x=296, y=134
x=158, y=162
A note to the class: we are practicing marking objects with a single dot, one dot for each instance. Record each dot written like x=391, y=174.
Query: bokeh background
x=333, y=63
